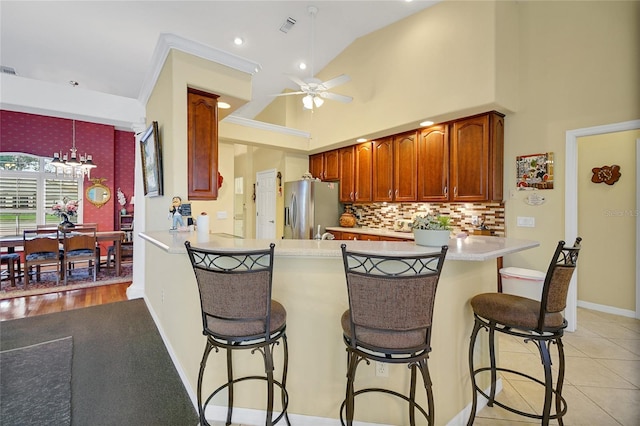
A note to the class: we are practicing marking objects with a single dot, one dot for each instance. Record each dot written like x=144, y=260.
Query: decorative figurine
x=175, y=213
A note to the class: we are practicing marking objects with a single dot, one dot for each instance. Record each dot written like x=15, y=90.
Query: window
x=28, y=189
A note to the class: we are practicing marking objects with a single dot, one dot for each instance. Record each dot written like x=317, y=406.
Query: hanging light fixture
x=71, y=164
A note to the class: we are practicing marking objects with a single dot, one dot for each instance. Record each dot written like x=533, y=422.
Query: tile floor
x=602, y=379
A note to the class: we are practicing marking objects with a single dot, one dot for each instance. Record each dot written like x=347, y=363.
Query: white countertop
x=474, y=248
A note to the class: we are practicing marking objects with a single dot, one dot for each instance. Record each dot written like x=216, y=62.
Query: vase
x=65, y=223
x=123, y=211
x=347, y=220
x=431, y=237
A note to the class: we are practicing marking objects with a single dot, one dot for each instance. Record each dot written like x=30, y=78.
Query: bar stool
x=540, y=322
x=391, y=300
x=12, y=260
x=238, y=313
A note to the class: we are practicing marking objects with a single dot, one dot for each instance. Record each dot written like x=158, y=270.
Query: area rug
x=35, y=383
x=121, y=373
x=79, y=279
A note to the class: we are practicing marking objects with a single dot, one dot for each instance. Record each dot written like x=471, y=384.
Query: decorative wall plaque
x=606, y=174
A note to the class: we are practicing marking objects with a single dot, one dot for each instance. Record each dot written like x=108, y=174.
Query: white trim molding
x=168, y=41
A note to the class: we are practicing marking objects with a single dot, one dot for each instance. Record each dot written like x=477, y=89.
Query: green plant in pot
x=431, y=230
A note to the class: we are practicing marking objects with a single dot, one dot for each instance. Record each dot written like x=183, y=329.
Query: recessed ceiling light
x=73, y=83
x=426, y=123
x=238, y=41
x=361, y=140
x=302, y=66
x=223, y=105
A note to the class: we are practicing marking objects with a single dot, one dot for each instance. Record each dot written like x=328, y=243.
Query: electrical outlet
x=382, y=369
x=474, y=221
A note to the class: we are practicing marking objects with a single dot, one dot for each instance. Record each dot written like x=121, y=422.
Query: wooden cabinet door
x=363, y=172
x=316, y=165
x=346, y=163
x=350, y=236
x=433, y=164
x=405, y=167
x=202, y=145
x=383, y=170
x=477, y=158
x=331, y=165
x=470, y=159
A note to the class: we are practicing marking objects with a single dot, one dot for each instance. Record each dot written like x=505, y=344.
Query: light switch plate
x=221, y=215
x=526, y=222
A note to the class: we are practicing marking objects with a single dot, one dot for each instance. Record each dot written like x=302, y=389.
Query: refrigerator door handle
x=287, y=212
x=294, y=207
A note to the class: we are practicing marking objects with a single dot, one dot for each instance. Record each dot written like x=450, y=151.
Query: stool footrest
x=382, y=390
x=553, y=416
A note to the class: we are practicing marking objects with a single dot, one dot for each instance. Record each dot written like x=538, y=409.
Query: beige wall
x=538, y=61
x=607, y=221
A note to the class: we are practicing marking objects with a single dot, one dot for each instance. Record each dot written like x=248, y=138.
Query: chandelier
x=71, y=164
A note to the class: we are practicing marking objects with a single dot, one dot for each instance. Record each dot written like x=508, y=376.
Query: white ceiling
x=107, y=46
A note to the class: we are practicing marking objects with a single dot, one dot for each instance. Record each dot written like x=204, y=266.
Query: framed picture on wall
x=534, y=171
x=151, y=151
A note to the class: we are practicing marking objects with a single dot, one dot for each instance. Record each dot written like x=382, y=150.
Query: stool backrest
x=392, y=294
x=234, y=286
x=557, y=280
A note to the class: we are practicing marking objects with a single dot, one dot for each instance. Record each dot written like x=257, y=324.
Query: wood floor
x=21, y=307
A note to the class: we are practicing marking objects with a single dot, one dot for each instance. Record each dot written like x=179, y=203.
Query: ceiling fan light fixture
x=307, y=102
x=318, y=101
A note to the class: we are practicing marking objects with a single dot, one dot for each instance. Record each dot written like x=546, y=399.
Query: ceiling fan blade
x=296, y=80
x=289, y=93
x=336, y=81
x=336, y=97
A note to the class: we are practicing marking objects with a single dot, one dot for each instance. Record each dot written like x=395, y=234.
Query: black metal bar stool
x=238, y=313
x=391, y=300
x=540, y=322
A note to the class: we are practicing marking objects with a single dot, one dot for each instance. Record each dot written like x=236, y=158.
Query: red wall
x=113, y=152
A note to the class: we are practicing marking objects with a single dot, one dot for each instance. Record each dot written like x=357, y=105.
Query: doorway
x=266, y=204
x=571, y=206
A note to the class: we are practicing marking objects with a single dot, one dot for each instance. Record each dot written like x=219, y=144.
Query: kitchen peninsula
x=309, y=281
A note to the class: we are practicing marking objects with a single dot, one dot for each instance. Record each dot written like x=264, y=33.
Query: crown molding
x=261, y=125
x=168, y=41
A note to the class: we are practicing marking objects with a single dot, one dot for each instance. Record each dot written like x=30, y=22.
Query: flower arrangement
x=122, y=200
x=65, y=207
x=432, y=222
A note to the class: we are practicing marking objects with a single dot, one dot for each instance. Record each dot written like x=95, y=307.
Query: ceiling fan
x=314, y=89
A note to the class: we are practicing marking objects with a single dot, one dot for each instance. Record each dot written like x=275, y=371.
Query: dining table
x=11, y=242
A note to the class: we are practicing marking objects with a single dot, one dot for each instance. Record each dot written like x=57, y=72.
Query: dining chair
x=40, y=249
x=79, y=245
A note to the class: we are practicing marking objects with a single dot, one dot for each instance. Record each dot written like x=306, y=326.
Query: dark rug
x=79, y=279
x=35, y=384
x=121, y=374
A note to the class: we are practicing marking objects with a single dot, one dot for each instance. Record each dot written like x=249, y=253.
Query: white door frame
x=571, y=206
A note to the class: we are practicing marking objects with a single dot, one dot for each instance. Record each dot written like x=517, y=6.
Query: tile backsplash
x=383, y=215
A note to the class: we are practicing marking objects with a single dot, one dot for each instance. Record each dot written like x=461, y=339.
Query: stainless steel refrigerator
x=309, y=203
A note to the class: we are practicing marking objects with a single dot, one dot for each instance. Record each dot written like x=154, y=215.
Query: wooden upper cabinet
x=325, y=166
x=383, y=169
x=202, y=145
x=405, y=167
x=477, y=145
x=433, y=164
x=363, y=172
x=316, y=165
x=346, y=164
x=331, y=165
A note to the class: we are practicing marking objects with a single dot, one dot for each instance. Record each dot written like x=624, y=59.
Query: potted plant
x=431, y=230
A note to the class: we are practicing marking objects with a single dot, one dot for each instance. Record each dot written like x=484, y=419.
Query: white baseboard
x=463, y=416
x=606, y=309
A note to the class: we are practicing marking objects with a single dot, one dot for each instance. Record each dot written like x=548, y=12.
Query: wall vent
x=287, y=25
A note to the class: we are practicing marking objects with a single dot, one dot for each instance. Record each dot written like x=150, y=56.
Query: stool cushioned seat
x=513, y=311
x=250, y=328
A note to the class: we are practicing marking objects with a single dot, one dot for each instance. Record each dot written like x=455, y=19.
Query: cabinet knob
x=389, y=193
